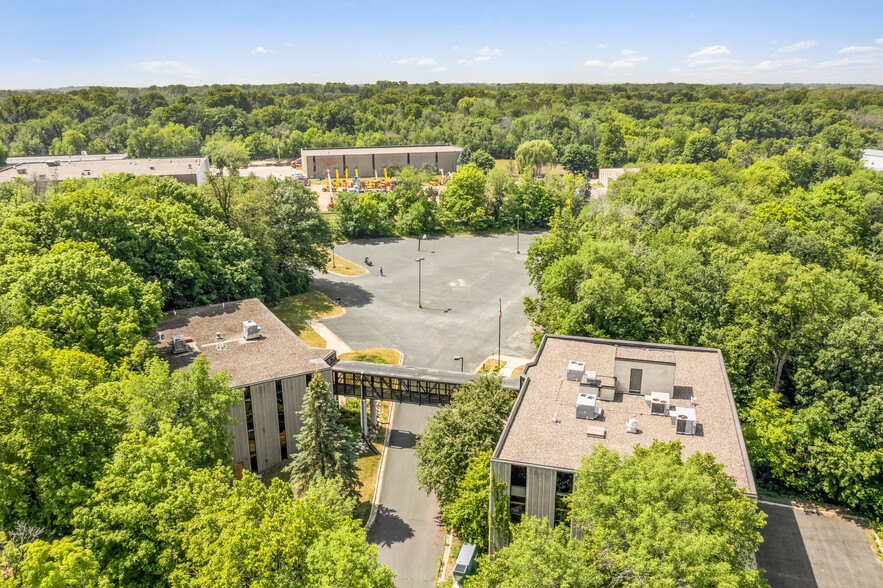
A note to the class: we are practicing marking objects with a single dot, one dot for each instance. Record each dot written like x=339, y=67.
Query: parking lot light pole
x=332, y=255
x=460, y=359
x=419, y=261
x=419, y=238
x=517, y=234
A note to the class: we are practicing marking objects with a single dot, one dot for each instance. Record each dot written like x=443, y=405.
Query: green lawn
x=294, y=311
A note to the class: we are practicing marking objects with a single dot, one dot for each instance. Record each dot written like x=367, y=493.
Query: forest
x=749, y=225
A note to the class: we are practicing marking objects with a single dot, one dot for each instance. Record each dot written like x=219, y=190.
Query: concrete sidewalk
x=332, y=341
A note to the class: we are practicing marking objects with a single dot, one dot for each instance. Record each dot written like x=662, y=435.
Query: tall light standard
x=419, y=261
x=418, y=241
x=332, y=256
x=517, y=235
x=460, y=359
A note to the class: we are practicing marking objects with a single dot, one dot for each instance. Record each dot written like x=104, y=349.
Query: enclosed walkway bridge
x=397, y=383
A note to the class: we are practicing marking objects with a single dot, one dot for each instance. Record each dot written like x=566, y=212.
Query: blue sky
x=160, y=42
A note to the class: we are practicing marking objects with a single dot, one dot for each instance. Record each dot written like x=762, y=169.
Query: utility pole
x=517, y=234
x=500, y=334
x=419, y=277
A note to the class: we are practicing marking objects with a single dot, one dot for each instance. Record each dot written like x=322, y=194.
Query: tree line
x=621, y=123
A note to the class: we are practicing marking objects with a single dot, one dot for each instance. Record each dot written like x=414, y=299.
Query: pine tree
x=324, y=447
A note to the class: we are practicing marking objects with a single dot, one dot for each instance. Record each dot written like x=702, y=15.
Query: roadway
x=463, y=279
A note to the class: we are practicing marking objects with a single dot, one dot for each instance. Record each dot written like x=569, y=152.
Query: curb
x=378, y=483
x=449, y=542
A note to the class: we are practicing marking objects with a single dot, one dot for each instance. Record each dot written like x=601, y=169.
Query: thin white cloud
x=487, y=51
x=798, y=46
x=627, y=62
x=455, y=47
x=289, y=44
x=774, y=64
x=880, y=41
x=713, y=51
x=627, y=52
x=595, y=63
x=439, y=69
x=423, y=61
x=601, y=46
x=175, y=68
x=483, y=54
x=674, y=70
x=261, y=50
x=861, y=59
x=856, y=49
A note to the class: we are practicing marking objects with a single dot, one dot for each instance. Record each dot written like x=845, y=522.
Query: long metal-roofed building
x=188, y=170
x=317, y=163
x=581, y=392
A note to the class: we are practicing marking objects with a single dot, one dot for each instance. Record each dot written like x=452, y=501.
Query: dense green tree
x=648, y=519
x=470, y=425
x=469, y=514
x=59, y=423
x=484, y=160
x=612, y=150
x=530, y=157
x=226, y=155
x=163, y=230
x=131, y=520
x=781, y=305
x=292, y=237
x=702, y=146
x=580, y=159
x=324, y=447
x=463, y=200
x=359, y=216
x=80, y=297
x=58, y=564
x=190, y=398
x=250, y=534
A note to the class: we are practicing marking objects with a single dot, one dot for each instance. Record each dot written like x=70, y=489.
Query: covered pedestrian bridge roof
x=413, y=385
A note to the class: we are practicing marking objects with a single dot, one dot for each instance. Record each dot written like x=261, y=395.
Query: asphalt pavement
x=806, y=549
x=407, y=531
x=462, y=281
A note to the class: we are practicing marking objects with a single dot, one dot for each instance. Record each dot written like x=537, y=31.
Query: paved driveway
x=406, y=530
x=463, y=279
x=806, y=550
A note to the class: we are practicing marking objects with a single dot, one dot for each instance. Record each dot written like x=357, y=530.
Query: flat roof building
x=873, y=159
x=317, y=163
x=580, y=392
x=188, y=170
x=264, y=357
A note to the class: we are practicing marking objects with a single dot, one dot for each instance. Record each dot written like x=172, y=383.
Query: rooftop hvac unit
x=586, y=407
x=576, y=370
x=250, y=330
x=631, y=425
x=684, y=420
x=659, y=403
x=179, y=344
